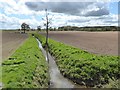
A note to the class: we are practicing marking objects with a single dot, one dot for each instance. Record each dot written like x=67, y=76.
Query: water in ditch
x=56, y=78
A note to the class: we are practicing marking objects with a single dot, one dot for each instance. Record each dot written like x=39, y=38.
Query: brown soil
x=11, y=40
x=94, y=42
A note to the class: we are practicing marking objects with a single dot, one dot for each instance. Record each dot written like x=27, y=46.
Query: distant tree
x=54, y=29
x=50, y=28
x=38, y=28
x=25, y=26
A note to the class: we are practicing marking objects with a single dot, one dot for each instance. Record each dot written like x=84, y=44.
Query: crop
x=26, y=68
x=81, y=66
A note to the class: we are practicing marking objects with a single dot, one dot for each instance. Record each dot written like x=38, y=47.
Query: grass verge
x=26, y=68
x=83, y=67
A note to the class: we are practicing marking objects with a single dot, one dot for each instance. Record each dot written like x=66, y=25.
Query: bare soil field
x=103, y=43
x=11, y=40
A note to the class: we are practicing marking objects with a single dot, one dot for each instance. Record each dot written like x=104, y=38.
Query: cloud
x=100, y=12
x=71, y=8
x=80, y=20
x=96, y=21
x=15, y=12
x=15, y=7
x=112, y=20
x=6, y=22
x=13, y=22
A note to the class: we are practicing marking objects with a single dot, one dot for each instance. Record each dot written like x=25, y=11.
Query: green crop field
x=26, y=68
x=83, y=67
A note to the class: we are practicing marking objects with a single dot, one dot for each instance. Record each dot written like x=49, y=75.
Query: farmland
x=82, y=58
x=60, y=44
x=26, y=67
x=10, y=42
x=94, y=42
x=83, y=67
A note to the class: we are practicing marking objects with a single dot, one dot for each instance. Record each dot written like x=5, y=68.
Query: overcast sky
x=78, y=13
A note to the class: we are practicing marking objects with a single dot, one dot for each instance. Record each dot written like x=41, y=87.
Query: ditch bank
x=25, y=68
x=57, y=80
x=82, y=67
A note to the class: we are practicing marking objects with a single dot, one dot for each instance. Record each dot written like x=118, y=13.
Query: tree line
x=26, y=27
x=92, y=28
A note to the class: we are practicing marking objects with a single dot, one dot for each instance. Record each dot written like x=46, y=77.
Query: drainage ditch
x=57, y=80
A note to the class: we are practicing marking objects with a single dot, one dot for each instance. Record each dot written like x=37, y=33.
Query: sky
x=61, y=13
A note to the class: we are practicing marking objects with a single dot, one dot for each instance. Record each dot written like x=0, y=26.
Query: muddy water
x=43, y=51
x=56, y=78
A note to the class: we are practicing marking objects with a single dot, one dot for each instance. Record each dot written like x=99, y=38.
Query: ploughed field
x=11, y=40
x=94, y=42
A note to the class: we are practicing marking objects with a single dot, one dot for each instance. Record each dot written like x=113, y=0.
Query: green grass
x=26, y=68
x=81, y=66
x=0, y=73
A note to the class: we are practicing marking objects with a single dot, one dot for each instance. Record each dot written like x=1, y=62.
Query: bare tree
x=47, y=24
